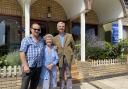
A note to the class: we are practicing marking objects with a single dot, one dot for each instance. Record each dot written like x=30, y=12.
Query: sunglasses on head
x=36, y=29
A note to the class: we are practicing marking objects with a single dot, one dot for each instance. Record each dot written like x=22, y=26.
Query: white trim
x=82, y=18
x=27, y=17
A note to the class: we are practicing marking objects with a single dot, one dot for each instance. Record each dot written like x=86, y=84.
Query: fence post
x=9, y=71
x=14, y=71
x=19, y=72
x=4, y=71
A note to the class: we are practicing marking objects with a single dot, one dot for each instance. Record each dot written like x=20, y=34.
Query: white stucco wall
x=72, y=7
x=107, y=10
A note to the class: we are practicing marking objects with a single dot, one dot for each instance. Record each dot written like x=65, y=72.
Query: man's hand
x=55, y=47
x=26, y=68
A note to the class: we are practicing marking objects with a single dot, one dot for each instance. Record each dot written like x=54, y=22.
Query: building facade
x=16, y=17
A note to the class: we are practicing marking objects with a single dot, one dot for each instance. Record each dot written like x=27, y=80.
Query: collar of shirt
x=40, y=39
x=62, y=34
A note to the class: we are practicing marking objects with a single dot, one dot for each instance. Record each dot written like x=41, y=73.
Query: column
x=120, y=29
x=27, y=17
x=82, y=18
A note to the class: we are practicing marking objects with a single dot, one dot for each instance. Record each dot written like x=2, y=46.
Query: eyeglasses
x=36, y=29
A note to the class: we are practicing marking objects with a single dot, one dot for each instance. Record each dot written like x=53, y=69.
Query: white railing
x=106, y=62
x=10, y=71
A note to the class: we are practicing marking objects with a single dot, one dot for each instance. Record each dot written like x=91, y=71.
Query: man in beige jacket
x=65, y=45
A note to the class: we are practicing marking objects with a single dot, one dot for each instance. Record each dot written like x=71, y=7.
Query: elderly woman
x=48, y=78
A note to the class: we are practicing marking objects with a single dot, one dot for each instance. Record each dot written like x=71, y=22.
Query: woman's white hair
x=48, y=36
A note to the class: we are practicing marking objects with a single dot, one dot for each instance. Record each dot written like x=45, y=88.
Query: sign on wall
x=2, y=33
x=115, y=35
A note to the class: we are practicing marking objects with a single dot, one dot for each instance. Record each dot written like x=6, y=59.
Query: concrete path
x=120, y=82
x=82, y=86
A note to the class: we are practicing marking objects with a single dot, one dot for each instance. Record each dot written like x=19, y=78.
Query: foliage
x=10, y=59
x=96, y=49
x=123, y=46
x=107, y=45
x=3, y=61
x=13, y=58
x=113, y=53
x=95, y=53
x=77, y=52
x=108, y=51
x=77, y=42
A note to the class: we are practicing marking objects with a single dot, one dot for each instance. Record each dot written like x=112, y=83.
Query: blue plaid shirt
x=33, y=51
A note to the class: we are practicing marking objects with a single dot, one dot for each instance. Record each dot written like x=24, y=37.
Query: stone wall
x=87, y=71
x=10, y=83
x=80, y=71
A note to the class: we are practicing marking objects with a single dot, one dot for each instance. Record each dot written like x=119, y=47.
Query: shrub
x=104, y=50
x=13, y=58
x=113, y=53
x=3, y=61
x=95, y=53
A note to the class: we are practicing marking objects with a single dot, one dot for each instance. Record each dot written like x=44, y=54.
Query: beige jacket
x=67, y=50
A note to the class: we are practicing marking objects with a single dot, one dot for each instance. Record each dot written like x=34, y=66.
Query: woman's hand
x=50, y=66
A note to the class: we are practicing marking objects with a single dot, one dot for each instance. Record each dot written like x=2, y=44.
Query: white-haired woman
x=48, y=78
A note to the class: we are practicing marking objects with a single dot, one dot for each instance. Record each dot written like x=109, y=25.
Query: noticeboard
x=115, y=35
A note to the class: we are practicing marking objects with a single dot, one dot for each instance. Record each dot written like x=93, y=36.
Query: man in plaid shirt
x=31, y=56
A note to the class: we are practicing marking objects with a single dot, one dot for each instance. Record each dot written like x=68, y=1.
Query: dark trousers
x=65, y=69
x=30, y=80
